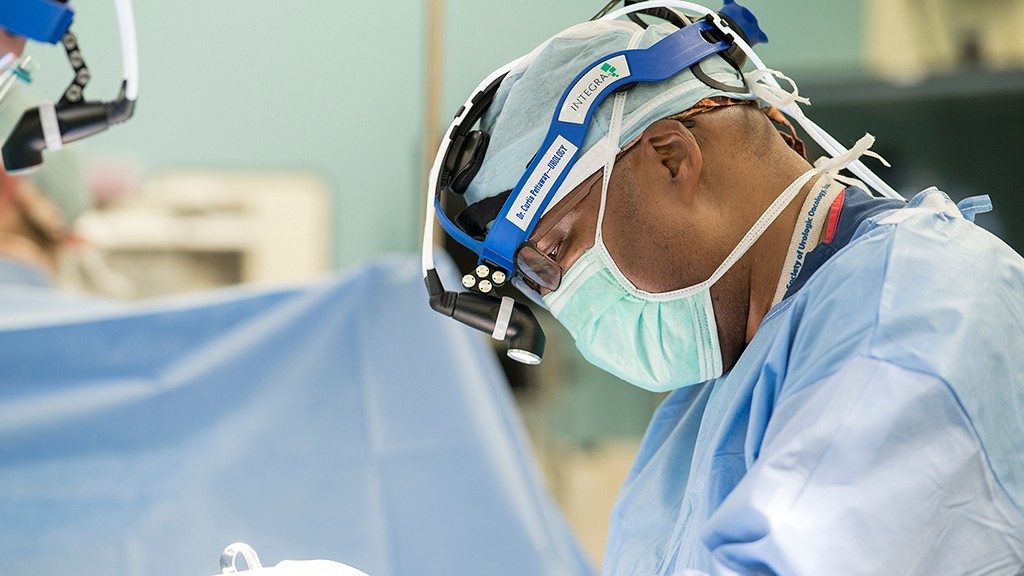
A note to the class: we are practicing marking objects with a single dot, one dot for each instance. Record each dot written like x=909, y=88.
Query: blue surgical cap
x=521, y=112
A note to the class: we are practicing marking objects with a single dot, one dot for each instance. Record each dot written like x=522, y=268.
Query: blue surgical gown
x=874, y=424
x=28, y=296
x=339, y=419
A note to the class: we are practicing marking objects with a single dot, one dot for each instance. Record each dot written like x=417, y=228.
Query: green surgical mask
x=658, y=342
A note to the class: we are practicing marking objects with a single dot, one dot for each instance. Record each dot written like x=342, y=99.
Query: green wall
x=814, y=38
x=335, y=86
x=329, y=86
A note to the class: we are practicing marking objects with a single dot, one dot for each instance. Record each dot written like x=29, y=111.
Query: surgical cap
x=521, y=112
x=60, y=179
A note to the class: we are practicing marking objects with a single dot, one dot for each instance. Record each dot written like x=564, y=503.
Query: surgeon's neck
x=767, y=256
x=746, y=166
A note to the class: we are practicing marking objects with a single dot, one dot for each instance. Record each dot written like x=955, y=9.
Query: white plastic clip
x=231, y=553
x=50, y=127
x=504, y=316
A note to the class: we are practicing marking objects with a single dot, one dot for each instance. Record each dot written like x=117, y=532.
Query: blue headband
x=39, y=20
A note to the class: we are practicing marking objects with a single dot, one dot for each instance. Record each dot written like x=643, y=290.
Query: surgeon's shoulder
x=950, y=288
x=920, y=286
x=944, y=298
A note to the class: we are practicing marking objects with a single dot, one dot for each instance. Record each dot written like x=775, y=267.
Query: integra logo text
x=553, y=162
x=594, y=87
x=580, y=98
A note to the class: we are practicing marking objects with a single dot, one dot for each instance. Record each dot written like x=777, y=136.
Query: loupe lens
x=538, y=268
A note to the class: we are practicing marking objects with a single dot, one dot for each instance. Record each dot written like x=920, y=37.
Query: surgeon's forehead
x=567, y=206
x=567, y=202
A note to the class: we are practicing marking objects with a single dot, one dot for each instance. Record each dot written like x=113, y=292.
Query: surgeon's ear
x=672, y=145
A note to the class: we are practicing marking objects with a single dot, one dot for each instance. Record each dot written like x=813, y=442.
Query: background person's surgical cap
x=60, y=179
x=519, y=117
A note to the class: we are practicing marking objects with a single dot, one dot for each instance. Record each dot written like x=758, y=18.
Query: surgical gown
x=874, y=424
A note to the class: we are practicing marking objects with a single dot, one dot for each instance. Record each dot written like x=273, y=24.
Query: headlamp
x=50, y=126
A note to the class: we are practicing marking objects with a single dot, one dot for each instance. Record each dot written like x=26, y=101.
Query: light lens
x=523, y=356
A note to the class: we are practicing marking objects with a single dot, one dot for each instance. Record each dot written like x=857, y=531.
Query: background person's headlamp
x=50, y=126
x=504, y=251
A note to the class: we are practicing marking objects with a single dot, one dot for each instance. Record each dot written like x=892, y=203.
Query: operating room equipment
x=504, y=253
x=229, y=558
x=50, y=126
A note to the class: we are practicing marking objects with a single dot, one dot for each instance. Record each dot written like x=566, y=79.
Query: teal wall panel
x=335, y=87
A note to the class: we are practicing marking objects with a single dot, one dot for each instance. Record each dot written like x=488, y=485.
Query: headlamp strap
x=568, y=130
x=475, y=217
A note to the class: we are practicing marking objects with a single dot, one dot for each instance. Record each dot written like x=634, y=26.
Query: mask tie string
x=612, y=149
x=761, y=83
x=775, y=96
x=825, y=166
x=612, y=152
x=830, y=166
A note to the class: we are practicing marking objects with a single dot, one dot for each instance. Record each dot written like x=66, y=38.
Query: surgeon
x=846, y=372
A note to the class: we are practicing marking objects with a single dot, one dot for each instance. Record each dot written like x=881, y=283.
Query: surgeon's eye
x=554, y=250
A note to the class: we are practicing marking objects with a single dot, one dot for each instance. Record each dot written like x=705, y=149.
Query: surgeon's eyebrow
x=568, y=204
x=564, y=208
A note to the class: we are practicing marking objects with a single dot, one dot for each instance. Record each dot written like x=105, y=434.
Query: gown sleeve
x=875, y=469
